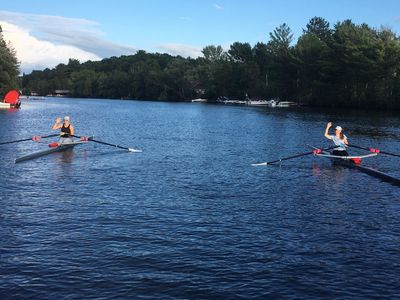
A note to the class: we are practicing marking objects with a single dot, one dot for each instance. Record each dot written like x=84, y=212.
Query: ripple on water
x=190, y=217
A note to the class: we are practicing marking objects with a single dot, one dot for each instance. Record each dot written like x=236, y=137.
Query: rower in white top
x=339, y=139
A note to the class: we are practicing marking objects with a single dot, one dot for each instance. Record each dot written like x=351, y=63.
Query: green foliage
x=240, y=52
x=280, y=40
x=9, y=66
x=214, y=53
x=320, y=28
x=348, y=65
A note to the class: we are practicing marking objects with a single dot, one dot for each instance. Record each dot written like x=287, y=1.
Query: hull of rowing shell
x=47, y=151
x=367, y=170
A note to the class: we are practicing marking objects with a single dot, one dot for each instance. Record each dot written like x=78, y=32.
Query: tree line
x=9, y=66
x=347, y=65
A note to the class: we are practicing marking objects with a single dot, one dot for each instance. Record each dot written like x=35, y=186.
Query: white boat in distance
x=231, y=101
x=277, y=103
x=36, y=98
x=286, y=104
x=200, y=100
x=270, y=103
x=258, y=102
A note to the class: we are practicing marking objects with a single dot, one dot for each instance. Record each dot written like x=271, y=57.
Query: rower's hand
x=329, y=125
x=58, y=120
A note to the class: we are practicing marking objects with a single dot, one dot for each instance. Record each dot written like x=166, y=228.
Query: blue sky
x=47, y=32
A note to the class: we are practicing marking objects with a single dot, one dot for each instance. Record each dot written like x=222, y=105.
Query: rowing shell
x=37, y=154
x=347, y=162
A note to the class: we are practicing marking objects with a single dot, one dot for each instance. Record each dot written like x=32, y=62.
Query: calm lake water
x=189, y=217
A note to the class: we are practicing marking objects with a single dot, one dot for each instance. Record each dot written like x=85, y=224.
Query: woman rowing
x=67, y=130
x=339, y=139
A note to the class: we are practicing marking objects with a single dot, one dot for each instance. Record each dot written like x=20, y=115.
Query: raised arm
x=328, y=126
x=57, y=124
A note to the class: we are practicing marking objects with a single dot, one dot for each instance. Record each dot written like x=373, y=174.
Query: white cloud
x=181, y=49
x=35, y=54
x=219, y=7
x=44, y=41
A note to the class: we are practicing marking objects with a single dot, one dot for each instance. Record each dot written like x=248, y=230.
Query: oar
x=109, y=144
x=35, y=138
x=374, y=150
x=290, y=157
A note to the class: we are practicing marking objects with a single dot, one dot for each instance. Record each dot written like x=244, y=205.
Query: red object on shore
x=12, y=97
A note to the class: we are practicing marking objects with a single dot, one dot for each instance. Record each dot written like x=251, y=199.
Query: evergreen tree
x=9, y=66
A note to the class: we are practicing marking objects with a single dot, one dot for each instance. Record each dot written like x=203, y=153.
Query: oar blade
x=260, y=164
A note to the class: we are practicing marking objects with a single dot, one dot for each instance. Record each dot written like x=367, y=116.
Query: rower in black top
x=67, y=130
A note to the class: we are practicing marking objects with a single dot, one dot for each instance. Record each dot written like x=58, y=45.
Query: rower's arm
x=57, y=124
x=329, y=125
x=72, y=130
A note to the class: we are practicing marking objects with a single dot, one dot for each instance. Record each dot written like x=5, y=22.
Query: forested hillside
x=9, y=66
x=346, y=65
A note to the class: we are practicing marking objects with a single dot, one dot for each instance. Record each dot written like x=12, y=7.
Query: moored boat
x=11, y=100
x=286, y=104
x=257, y=102
x=5, y=105
x=231, y=101
x=272, y=103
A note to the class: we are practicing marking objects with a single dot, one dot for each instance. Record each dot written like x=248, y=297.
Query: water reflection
x=66, y=156
x=191, y=206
